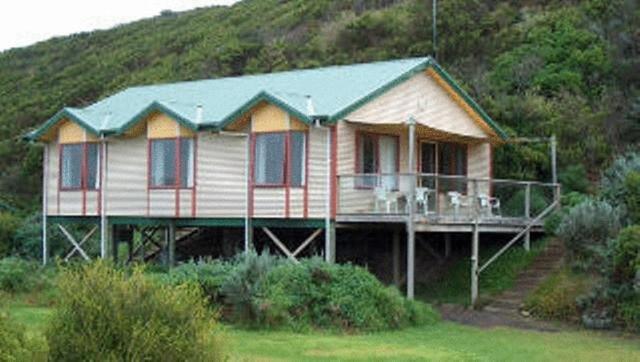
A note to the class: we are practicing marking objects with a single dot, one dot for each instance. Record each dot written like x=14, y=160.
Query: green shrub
x=15, y=345
x=343, y=297
x=209, y=275
x=244, y=287
x=18, y=275
x=626, y=255
x=574, y=178
x=556, y=298
x=612, y=183
x=568, y=201
x=107, y=315
x=586, y=230
x=632, y=195
x=514, y=205
x=628, y=313
x=8, y=225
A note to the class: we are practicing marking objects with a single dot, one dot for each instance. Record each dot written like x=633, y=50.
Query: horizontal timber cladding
x=221, y=176
x=424, y=99
x=53, y=178
x=317, y=177
x=127, y=176
x=479, y=165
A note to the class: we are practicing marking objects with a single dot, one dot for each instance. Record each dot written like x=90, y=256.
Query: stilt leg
x=411, y=258
x=475, y=247
x=447, y=245
x=171, y=245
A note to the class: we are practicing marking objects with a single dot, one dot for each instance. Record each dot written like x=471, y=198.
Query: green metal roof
x=334, y=92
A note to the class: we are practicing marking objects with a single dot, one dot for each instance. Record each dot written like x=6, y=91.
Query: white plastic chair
x=457, y=200
x=385, y=197
x=422, y=198
x=489, y=204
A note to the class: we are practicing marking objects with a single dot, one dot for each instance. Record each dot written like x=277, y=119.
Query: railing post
x=411, y=242
x=527, y=215
x=475, y=246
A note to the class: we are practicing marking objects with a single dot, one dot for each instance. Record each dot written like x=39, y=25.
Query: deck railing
x=434, y=196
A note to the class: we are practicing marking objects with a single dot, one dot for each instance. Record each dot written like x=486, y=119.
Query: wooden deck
x=441, y=223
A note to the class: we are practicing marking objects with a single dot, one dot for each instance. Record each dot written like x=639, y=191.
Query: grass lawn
x=443, y=341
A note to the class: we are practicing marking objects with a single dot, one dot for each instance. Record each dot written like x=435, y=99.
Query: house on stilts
x=387, y=144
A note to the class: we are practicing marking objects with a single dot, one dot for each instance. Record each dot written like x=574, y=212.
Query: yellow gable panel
x=159, y=125
x=270, y=118
x=71, y=132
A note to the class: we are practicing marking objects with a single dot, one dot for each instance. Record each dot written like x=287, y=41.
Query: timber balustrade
x=444, y=197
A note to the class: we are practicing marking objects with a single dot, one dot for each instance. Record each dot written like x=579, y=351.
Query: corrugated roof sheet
x=333, y=91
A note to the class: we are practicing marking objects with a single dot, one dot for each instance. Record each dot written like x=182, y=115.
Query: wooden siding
x=53, y=178
x=317, y=172
x=424, y=99
x=127, y=177
x=220, y=177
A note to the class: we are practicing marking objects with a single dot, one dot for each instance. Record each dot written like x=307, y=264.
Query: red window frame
x=286, y=166
x=84, y=175
x=178, y=164
x=376, y=141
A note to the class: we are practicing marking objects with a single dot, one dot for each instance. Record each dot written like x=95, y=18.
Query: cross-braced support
x=77, y=246
x=291, y=255
x=148, y=236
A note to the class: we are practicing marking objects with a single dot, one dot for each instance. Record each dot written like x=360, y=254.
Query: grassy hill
x=538, y=67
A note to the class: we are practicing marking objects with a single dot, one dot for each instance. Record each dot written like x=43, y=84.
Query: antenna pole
x=435, y=28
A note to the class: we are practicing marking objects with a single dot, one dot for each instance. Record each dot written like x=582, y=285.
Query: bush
x=8, y=225
x=613, y=179
x=343, y=297
x=628, y=313
x=574, y=178
x=626, y=256
x=244, y=287
x=107, y=315
x=632, y=196
x=586, y=230
x=15, y=345
x=209, y=275
x=556, y=298
x=18, y=275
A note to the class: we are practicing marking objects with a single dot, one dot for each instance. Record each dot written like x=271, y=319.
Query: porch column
x=527, y=215
x=103, y=192
x=248, y=225
x=411, y=241
x=45, y=204
x=447, y=245
x=475, y=247
x=330, y=233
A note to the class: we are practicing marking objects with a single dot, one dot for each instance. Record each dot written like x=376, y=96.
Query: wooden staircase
x=511, y=301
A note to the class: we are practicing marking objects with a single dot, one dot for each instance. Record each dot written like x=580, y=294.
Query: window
x=453, y=161
x=377, y=154
x=167, y=169
x=278, y=155
x=79, y=166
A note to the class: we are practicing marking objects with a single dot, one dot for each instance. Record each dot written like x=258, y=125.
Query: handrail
x=518, y=236
x=452, y=177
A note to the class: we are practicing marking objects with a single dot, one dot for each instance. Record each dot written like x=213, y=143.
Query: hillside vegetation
x=538, y=67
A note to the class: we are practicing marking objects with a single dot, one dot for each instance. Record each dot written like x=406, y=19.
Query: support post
x=527, y=215
x=447, y=245
x=171, y=244
x=45, y=203
x=411, y=235
x=475, y=248
x=103, y=190
x=329, y=235
x=248, y=225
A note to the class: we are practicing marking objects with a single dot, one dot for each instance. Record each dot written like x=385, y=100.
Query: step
x=506, y=304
